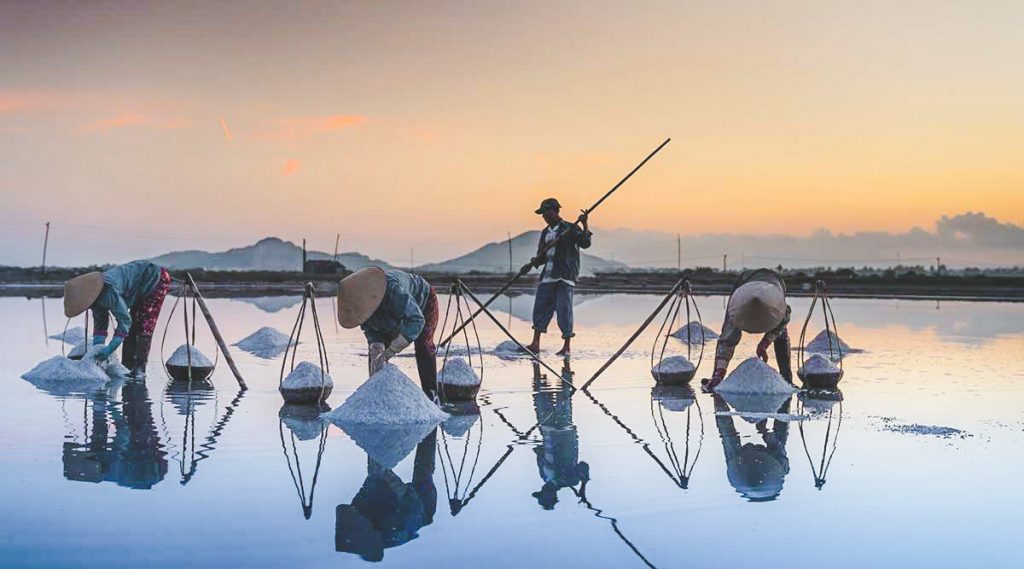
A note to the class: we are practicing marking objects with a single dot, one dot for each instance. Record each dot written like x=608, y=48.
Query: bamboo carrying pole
x=216, y=332
x=551, y=245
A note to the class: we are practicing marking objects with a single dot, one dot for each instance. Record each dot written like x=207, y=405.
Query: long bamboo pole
x=551, y=245
x=216, y=331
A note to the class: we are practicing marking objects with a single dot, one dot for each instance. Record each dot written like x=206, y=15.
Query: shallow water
x=917, y=465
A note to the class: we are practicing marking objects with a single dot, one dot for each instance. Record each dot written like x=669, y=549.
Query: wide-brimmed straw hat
x=359, y=295
x=80, y=292
x=757, y=306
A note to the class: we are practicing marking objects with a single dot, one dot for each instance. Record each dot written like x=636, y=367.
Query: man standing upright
x=561, y=269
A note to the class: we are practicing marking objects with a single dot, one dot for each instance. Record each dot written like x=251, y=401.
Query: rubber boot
x=142, y=347
x=784, y=356
x=128, y=348
x=426, y=365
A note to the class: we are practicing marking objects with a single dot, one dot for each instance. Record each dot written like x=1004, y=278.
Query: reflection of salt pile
x=387, y=416
x=181, y=357
x=755, y=388
x=186, y=397
x=691, y=333
x=817, y=403
x=818, y=364
x=457, y=371
x=673, y=398
x=304, y=421
x=60, y=374
x=266, y=342
x=820, y=344
x=458, y=425
x=71, y=336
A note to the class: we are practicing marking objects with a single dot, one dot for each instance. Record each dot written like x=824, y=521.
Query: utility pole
x=938, y=265
x=510, y=269
x=46, y=242
x=725, y=263
x=303, y=255
x=337, y=240
x=679, y=253
x=899, y=261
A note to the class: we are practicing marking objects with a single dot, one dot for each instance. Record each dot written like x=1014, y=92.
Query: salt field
x=917, y=456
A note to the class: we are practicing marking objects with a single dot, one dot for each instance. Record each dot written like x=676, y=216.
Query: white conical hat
x=757, y=306
x=359, y=295
x=80, y=292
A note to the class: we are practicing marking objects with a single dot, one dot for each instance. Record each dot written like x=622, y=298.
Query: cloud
x=134, y=119
x=11, y=103
x=227, y=131
x=292, y=166
x=299, y=127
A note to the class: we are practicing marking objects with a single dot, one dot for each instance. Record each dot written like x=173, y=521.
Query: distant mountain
x=269, y=254
x=493, y=258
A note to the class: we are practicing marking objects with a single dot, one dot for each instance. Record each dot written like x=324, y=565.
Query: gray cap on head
x=550, y=203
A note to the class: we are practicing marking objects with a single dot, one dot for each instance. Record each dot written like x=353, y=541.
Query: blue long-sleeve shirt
x=124, y=286
x=401, y=311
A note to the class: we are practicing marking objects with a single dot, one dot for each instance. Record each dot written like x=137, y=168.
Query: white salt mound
x=71, y=336
x=674, y=364
x=457, y=371
x=181, y=356
x=820, y=344
x=754, y=377
x=691, y=333
x=307, y=375
x=388, y=397
x=507, y=347
x=265, y=338
x=79, y=350
x=819, y=364
x=61, y=370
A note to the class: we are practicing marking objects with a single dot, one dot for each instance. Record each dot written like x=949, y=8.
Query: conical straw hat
x=359, y=295
x=757, y=306
x=80, y=292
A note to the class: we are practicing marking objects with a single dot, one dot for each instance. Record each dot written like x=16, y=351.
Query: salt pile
x=307, y=375
x=508, y=350
x=820, y=344
x=388, y=397
x=71, y=336
x=818, y=364
x=79, y=350
x=890, y=424
x=60, y=373
x=691, y=333
x=181, y=356
x=754, y=377
x=457, y=371
x=266, y=342
x=673, y=365
x=387, y=416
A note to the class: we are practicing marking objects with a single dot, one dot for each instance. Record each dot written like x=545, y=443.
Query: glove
x=103, y=353
x=762, y=348
x=716, y=378
x=397, y=345
x=376, y=357
x=526, y=268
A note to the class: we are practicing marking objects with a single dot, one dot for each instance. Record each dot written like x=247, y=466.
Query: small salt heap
x=818, y=364
x=754, y=377
x=673, y=365
x=266, y=342
x=508, y=350
x=71, y=336
x=181, y=357
x=457, y=371
x=306, y=384
x=60, y=374
x=387, y=416
x=78, y=351
x=694, y=333
x=820, y=344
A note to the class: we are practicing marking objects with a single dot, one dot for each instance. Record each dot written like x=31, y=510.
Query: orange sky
x=143, y=128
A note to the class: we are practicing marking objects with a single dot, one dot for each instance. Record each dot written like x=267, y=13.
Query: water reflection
x=132, y=455
x=558, y=454
x=678, y=399
x=387, y=512
x=821, y=404
x=304, y=423
x=187, y=398
x=271, y=304
x=756, y=470
x=459, y=460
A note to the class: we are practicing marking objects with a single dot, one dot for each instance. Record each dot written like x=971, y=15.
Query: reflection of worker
x=133, y=457
x=394, y=309
x=756, y=471
x=387, y=512
x=757, y=305
x=134, y=294
x=558, y=455
x=561, y=269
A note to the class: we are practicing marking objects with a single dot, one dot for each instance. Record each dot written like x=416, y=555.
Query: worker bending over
x=394, y=309
x=561, y=269
x=757, y=305
x=134, y=293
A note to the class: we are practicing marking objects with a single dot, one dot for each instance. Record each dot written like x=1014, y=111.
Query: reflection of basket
x=451, y=392
x=820, y=380
x=181, y=373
